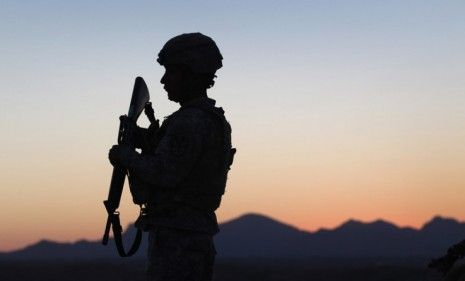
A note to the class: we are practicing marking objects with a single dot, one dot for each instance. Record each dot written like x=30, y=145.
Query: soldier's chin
x=172, y=97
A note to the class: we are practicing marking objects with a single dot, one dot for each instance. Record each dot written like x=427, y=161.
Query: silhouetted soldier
x=182, y=170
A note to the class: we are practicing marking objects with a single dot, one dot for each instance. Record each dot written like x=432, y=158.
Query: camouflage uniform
x=183, y=169
x=180, y=255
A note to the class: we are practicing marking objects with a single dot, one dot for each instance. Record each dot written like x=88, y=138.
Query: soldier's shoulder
x=192, y=115
x=189, y=119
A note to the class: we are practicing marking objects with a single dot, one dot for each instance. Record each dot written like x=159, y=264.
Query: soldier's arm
x=176, y=153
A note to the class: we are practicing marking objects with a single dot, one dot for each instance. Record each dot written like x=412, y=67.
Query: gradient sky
x=340, y=109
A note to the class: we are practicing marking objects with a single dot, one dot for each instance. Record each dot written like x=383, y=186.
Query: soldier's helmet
x=199, y=52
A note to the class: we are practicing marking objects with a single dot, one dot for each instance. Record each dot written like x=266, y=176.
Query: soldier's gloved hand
x=121, y=156
x=149, y=112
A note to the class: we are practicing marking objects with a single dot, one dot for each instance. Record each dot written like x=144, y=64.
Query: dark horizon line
x=348, y=220
x=258, y=215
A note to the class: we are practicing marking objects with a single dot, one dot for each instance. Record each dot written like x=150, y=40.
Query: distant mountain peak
x=350, y=223
x=439, y=218
x=254, y=217
x=383, y=223
x=439, y=222
x=257, y=220
x=353, y=224
x=45, y=241
x=250, y=217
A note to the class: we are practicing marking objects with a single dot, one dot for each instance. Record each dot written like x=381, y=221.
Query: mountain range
x=259, y=236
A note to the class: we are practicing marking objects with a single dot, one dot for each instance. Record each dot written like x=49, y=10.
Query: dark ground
x=225, y=270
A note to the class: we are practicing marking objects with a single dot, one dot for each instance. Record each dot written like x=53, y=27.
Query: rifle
x=140, y=96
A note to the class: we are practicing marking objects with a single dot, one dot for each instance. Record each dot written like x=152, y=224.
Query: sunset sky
x=339, y=109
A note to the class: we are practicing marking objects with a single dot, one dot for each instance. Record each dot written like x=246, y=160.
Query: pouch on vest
x=139, y=190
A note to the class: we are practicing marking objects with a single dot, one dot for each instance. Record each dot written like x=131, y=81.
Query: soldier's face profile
x=174, y=81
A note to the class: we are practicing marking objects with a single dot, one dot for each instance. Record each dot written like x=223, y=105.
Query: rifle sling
x=117, y=230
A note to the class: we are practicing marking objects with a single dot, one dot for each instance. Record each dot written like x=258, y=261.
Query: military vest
x=205, y=184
